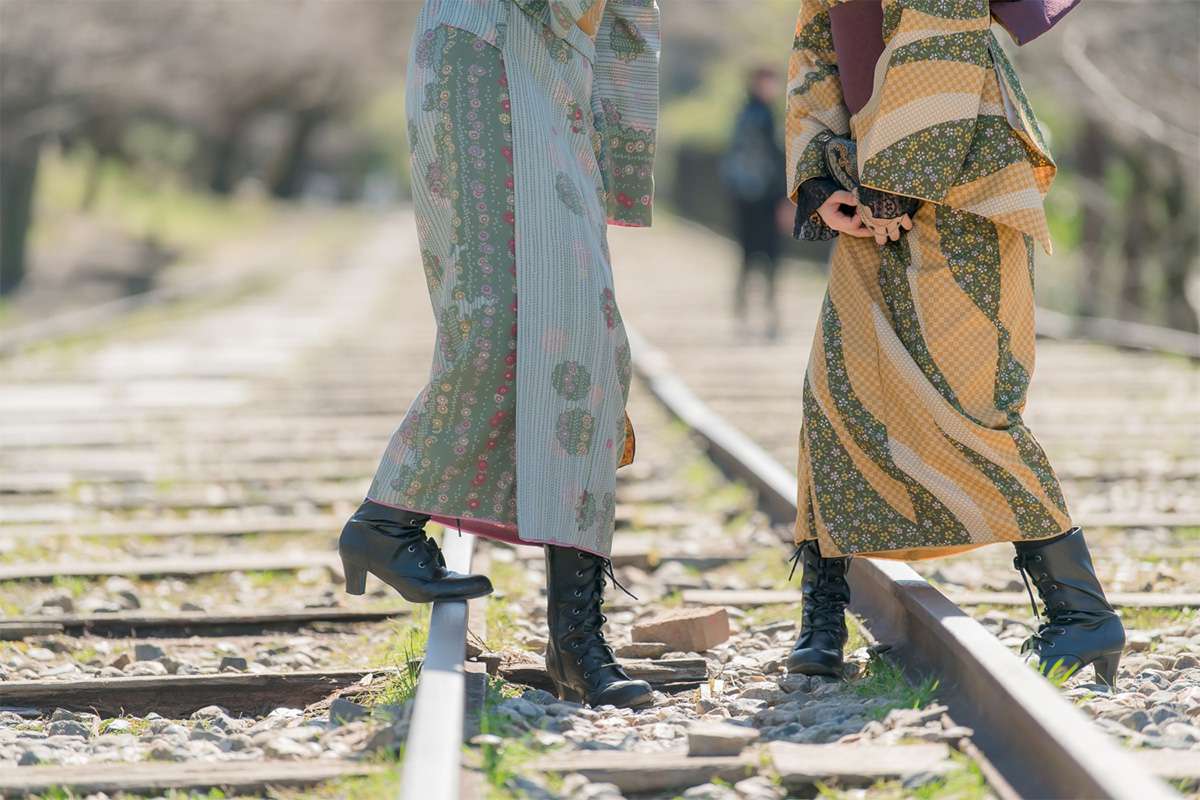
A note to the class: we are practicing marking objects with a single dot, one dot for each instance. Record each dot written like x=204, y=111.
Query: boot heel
x=1106, y=668
x=356, y=578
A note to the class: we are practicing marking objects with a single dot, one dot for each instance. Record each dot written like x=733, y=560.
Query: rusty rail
x=1039, y=742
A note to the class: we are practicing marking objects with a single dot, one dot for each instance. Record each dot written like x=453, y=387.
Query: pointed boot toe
x=456, y=586
x=391, y=544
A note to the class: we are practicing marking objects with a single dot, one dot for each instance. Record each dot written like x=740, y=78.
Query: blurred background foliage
x=135, y=133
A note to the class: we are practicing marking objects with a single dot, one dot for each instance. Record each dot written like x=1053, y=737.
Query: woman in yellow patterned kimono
x=913, y=445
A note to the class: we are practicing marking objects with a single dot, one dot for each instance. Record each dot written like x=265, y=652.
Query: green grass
x=385, y=783
x=673, y=599
x=1150, y=618
x=136, y=726
x=142, y=203
x=401, y=651
x=768, y=564
x=85, y=654
x=501, y=624
x=25, y=551
x=265, y=579
x=510, y=578
x=1059, y=674
x=500, y=763
x=965, y=782
x=75, y=586
x=886, y=680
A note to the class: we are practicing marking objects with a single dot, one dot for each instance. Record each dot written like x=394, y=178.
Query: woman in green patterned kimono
x=909, y=135
x=532, y=127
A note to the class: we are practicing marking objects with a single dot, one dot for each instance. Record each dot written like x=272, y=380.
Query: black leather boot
x=1081, y=627
x=823, y=633
x=580, y=662
x=391, y=544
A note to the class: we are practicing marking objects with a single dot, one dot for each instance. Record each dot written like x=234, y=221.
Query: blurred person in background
x=752, y=171
x=532, y=126
x=931, y=171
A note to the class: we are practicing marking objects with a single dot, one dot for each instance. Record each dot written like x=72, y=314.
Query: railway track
x=173, y=620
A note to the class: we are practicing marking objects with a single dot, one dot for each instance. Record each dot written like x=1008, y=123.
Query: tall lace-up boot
x=391, y=544
x=1080, y=626
x=579, y=660
x=823, y=633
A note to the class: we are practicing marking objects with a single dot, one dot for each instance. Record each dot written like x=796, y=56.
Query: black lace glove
x=811, y=196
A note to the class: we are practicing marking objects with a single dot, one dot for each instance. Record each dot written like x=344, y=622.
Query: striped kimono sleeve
x=814, y=96
x=625, y=107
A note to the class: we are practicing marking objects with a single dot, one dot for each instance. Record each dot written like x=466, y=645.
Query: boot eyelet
x=578, y=593
x=1054, y=587
x=422, y=565
x=412, y=548
x=578, y=573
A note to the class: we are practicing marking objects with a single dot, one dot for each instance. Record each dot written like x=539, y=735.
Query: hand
x=884, y=230
x=831, y=214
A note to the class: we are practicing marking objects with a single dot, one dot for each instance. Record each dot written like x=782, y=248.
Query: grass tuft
x=887, y=680
x=402, y=651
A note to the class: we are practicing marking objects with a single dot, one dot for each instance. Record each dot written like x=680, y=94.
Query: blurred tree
x=1131, y=70
x=87, y=73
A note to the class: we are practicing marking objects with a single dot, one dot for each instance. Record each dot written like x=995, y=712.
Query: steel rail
x=433, y=751
x=1038, y=741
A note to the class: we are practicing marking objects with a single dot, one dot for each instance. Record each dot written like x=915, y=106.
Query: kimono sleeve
x=815, y=107
x=916, y=132
x=625, y=107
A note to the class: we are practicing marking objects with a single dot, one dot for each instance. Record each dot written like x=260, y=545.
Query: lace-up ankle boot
x=823, y=633
x=580, y=662
x=391, y=544
x=1080, y=626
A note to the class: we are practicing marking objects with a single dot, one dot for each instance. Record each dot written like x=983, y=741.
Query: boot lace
x=1057, y=616
x=830, y=593
x=591, y=646
x=425, y=545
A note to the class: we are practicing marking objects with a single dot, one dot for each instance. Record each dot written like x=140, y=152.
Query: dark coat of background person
x=752, y=172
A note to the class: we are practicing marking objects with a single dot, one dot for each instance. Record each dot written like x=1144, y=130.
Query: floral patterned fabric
x=913, y=443
x=527, y=138
x=947, y=121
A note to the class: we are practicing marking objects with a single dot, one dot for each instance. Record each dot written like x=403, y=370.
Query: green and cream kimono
x=913, y=443
x=528, y=137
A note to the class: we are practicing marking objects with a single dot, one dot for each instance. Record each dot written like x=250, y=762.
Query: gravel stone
x=68, y=727
x=147, y=652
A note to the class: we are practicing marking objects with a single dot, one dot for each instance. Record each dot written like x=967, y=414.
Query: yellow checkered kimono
x=913, y=444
